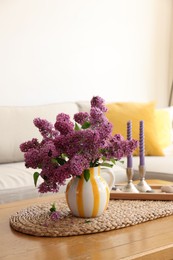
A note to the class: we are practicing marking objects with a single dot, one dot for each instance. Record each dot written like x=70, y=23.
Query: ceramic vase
x=89, y=198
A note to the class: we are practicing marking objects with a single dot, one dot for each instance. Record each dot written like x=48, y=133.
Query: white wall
x=66, y=50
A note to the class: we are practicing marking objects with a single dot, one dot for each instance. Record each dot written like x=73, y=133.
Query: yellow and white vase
x=89, y=198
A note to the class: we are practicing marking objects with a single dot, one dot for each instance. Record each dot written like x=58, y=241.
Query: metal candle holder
x=130, y=187
x=142, y=186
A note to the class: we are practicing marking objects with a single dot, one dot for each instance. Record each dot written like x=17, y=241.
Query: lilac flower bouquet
x=69, y=148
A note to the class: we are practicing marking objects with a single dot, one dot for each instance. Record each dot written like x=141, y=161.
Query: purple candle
x=129, y=137
x=141, y=144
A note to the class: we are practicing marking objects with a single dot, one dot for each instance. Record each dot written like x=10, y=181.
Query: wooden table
x=150, y=240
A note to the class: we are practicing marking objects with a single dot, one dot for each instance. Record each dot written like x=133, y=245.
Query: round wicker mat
x=35, y=220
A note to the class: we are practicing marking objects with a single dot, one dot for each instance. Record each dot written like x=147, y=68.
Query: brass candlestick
x=142, y=186
x=130, y=187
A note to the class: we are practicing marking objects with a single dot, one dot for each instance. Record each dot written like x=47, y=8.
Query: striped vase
x=88, y=198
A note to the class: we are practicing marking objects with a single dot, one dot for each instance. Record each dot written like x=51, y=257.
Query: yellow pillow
x=164, y=127
x=120, y=113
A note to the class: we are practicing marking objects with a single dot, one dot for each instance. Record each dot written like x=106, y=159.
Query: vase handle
x=108, y=175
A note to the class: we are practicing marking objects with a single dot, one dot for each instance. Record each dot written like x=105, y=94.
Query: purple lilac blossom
x=55, y=215
x=32, y=158
x=85, y=142
x=45, y=187
x=98, y=102
x=63, y=124
x=44, y=127
x=48, y=151
x=63, y=173
x=81, y=117
x=26, y=146
x=78, y=163
x=65, y=152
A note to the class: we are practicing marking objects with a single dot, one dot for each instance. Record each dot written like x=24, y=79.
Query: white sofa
x=16, y=181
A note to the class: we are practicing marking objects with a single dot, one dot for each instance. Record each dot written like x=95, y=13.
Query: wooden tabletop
x=150, y=240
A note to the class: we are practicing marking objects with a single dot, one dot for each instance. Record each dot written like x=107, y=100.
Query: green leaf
x=106, y=164
x=35, y=176
x=121, y=162
x=61, y=161
x=95, y=163
x=87, y=221
x=64, y=156
x=77, y=127
x=53, y=207
x=113, y=160
x=86, y=125
x=39, y=166
x=54, y=160
x=86, y=174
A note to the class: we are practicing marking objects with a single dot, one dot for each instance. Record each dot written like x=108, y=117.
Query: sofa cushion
x=121, y=112
x=16, y=175
x=163, y=121
x=84, y=106
x=157, y=167
x=17, y=126
x=16, y=181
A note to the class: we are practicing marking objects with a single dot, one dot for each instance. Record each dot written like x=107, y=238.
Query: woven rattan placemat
x=35, y=220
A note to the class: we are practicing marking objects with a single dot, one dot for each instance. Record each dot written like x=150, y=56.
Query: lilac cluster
x=68, y=148
x=55, y=215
